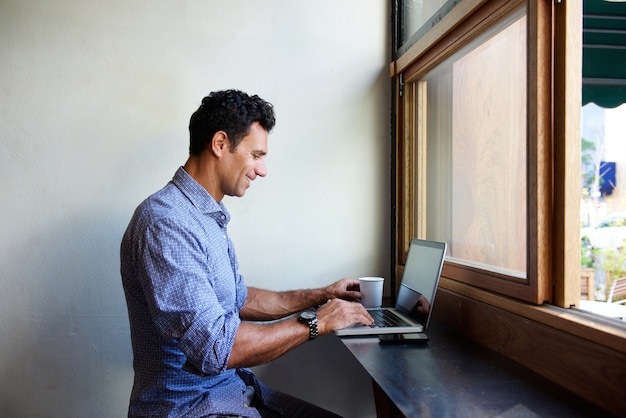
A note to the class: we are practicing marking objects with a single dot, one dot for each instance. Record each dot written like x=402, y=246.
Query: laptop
x=416, y=294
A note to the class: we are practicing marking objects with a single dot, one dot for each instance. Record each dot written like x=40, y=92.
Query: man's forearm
x=257, y=344
x=262, y=305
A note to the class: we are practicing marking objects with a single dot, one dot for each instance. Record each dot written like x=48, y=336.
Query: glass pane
x=476, y=150
x=414, y=14
x=417, y=12
x=603, y=159
x=603, y=205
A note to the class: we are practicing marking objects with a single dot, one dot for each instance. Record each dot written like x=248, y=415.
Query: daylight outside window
x=603, y=207
x=603, y=160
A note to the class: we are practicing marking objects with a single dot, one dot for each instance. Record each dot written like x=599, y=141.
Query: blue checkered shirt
x=183, y=293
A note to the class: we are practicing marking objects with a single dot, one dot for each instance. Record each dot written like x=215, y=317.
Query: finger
x=353, y=295
x=365, y=313
x=367, y=319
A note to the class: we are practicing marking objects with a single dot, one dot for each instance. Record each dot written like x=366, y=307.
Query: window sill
x=583, y=353
x=602, y=331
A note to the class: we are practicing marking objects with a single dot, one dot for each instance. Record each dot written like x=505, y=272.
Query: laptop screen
x=420, y=278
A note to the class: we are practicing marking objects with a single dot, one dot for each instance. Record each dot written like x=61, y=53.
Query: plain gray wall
x=96, y=99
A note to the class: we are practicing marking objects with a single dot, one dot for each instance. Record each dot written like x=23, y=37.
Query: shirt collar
x=199, y=197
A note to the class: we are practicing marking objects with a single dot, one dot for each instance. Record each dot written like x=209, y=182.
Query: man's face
x=246, y=163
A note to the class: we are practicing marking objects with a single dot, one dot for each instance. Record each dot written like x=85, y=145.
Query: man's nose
x=261, y=169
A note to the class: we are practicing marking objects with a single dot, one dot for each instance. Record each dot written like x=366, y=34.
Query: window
x=476, y=138
x=603, y=203
x=485, y=186
x=603, y=147
x=475, y=148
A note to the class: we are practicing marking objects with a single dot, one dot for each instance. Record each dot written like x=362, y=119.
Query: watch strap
x=312, y=324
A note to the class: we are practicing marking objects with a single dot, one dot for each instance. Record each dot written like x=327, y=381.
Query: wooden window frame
x=585, y=354
x=544, y=261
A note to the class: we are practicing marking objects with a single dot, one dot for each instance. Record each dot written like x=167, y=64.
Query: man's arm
x=260, y=343
x=263, y=305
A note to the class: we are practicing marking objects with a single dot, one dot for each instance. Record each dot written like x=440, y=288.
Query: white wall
x=95, y=103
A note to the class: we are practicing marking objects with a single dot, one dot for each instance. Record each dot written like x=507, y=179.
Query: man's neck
x=201, y=170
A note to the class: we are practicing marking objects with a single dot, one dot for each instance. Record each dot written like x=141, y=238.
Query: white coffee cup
x=371, y=289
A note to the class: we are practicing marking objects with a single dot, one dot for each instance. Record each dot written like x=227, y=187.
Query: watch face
x=307, y=315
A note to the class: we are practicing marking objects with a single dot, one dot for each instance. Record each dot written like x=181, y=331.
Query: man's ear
x=220, y=143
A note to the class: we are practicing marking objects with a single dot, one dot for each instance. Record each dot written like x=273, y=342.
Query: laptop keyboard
x=384, y=318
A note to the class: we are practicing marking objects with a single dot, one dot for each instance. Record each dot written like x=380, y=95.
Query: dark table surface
x=450, y=376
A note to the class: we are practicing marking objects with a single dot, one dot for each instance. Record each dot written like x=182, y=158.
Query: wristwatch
x=310, y=319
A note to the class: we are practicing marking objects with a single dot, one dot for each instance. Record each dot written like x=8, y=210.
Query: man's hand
x=263, y=305
x=347, y=289
x=337, y=314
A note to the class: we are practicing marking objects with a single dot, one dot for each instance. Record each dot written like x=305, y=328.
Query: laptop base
x=410, y=338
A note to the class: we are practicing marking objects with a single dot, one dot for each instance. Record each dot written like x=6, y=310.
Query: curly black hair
x=231, y=111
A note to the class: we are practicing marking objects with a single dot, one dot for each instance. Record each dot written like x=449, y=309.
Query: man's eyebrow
x=259, y=152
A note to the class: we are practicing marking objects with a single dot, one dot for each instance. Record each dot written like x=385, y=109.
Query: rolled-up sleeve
x=208, y=345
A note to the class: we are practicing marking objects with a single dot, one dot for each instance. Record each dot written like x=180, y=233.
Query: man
x=195, y=326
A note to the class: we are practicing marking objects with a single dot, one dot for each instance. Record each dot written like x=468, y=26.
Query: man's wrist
x=309, y=318
x=316, y=298
x=325, y=295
